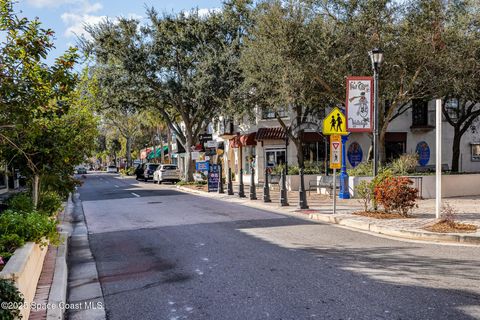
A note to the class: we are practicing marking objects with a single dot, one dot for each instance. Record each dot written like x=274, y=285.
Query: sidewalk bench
x=323, y=182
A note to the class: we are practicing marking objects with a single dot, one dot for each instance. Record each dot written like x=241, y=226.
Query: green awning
x=157, y=155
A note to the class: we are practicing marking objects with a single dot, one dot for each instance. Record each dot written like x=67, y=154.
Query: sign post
x=213, y=178
x=335, y=163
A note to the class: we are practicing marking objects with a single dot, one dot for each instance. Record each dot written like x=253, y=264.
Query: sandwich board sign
x=335, y=151
x=335, y=123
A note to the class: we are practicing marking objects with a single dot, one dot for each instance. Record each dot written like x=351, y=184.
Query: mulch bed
x=380, y=215
x=451, y=226
x=197, y=187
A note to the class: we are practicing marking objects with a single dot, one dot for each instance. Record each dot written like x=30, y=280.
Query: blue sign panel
x=213, y=178
x=202, y=165
x=354, y=154
x=423, y=151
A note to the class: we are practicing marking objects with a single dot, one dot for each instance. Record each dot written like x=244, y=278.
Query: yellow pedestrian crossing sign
x=335, y=151
x=335, y=123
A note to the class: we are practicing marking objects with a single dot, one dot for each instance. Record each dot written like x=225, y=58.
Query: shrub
x=31, y=226
x=405, y=164
x=364, y=169
x=9, y=294
x=365, y=191
x=21, y=202
x=396, y=194
x=8, y=244
x=49, y=203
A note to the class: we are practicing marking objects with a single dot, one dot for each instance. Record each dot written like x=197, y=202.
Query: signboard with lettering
x=359, y=104
x=213, y=178
x=335, y=151
x=202, y=165
x=334, y=123
x=355, y=154
x=204, y=137
x=423, y=151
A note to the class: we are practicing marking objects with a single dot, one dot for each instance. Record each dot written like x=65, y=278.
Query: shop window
x=451, y=106
x=419, y=113
x=395, y=145
x=313, y=152
x=475, y=151
x=248, y=156
x=270, y=114
x=274, y=158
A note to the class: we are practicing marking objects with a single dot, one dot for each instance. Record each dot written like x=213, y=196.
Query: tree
x=32, y=93
x=459, y=70
x=277, y=57
x=181, y=62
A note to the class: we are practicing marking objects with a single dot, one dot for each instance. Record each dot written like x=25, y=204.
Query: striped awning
x=276, y=133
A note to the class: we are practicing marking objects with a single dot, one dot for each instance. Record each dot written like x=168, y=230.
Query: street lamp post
x=376, y=56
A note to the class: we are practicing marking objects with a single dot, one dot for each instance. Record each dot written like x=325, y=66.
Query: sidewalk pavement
x=321, y=209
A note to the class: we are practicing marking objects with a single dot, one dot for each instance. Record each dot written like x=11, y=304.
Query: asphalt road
x=163, y=254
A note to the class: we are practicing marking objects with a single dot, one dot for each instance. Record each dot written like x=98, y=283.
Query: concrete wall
x=458, y=185
x=24, y=268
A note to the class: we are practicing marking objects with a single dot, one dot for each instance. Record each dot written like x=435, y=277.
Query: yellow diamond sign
x=335, y=123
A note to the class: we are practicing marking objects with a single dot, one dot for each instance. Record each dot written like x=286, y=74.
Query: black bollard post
x=241, y=191
x=230, y=184
x=283, y=190
x=302, y=196
x=266, y=189
x=220, y=179
x=253, y=190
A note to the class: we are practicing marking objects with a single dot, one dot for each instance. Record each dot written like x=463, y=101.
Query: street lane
x=171, y=255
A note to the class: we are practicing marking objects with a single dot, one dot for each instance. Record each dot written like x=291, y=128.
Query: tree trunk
x=161, y=146
x=35, y=189
x=129, y=151
x=457, y=137
x=188, y=159
x=300, y=158
x=169, y=145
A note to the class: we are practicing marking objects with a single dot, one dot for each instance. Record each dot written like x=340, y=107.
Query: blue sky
x=67, y=17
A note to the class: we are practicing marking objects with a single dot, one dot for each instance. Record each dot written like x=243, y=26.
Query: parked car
x=81, y=170
x=166, y=172
x=112, y=169
x=148, y=171
x=139, y=171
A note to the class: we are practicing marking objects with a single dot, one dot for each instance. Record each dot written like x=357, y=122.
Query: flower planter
x=24, y=268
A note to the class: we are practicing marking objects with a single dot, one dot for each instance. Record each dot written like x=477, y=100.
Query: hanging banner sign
x=335, y=151
x=334, y=123
x=359, y=104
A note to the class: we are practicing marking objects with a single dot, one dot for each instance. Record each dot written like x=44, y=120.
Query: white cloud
x=204, y=11
x=79, y=16
x=76, y=23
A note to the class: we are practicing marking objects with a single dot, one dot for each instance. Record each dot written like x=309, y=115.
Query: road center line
x=136, y=195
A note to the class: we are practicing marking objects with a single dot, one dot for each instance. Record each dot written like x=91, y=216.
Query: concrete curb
x=58, y=290
x=355, y=224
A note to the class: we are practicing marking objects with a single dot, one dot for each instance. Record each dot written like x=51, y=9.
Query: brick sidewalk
x=44, y=283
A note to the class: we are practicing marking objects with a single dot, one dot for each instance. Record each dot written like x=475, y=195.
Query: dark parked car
x=81, y=170
x=149, y=170
x=139, y=171
x=145, y=171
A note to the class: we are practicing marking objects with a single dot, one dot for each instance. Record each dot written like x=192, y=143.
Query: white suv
x=166, y=172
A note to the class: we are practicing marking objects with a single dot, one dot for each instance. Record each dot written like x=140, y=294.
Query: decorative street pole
x=344, y=192
x=283, y=190
x=241, y=191
x=302, y=196
x=376, y=55
x=266, y=189
x=220, y=179
x=230, y=184
x=253, y=191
